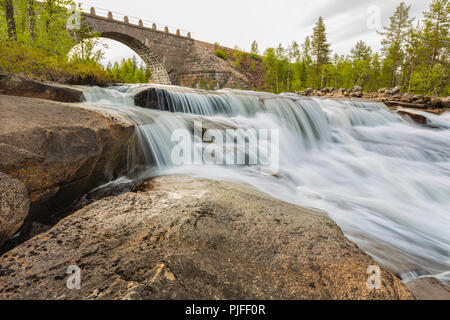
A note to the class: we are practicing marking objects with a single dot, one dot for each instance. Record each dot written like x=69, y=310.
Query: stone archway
x=159, y=73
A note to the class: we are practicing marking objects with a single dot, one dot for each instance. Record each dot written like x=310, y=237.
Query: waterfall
x=383, y=180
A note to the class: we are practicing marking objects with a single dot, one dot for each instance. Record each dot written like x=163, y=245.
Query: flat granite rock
x=177, y=237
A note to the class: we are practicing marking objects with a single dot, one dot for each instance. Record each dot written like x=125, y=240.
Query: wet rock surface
x=182, y=238
x=429, y=289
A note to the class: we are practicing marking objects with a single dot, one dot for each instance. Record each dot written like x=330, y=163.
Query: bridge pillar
x=125, y=19
x=189, y=35
x=93, y=11
x=154, y=26
x=110, y=15
x=178, y=32
x=166, y=29
x=141, y=23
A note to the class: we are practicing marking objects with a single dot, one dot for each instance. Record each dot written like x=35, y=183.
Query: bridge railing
x=117, y=16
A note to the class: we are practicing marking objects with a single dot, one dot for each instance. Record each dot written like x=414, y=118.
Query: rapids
x=383, y=180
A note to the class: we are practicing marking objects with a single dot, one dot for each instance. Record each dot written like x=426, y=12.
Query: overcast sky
x=269, y=22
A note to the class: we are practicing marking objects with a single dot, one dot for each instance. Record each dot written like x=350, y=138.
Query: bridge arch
x=159, y=72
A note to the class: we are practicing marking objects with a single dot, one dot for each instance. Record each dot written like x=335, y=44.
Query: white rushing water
x=385, y=181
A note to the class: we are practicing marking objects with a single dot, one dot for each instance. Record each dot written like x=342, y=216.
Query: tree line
x=129, y=71
x=414, y=55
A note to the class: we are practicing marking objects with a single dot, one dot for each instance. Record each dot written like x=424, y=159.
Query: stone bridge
x=173, y=57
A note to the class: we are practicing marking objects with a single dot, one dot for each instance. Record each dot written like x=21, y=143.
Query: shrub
x=238, y=57
x=17, y=57
x=254, y=56
x=221, y=54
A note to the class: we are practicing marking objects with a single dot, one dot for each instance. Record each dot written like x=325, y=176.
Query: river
x=385, y=181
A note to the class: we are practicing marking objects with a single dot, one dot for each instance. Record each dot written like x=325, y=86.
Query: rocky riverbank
x=392, y=97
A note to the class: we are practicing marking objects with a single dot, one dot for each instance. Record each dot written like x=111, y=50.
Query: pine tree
x=361, y=51
x=320, y=47
x=436, y=31
x=394, y=40
x=254, y=48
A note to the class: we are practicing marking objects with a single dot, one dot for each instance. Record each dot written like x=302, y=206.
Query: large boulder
x=182, y=238
x=357, y=89
x=59, y=151
x=16, y=85
x=14, y=206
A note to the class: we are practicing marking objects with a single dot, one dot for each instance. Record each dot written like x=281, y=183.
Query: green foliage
x=394, y=39
x=221, y=54
x=254, y=48
x=128, y=71
x=238, y=57
x=414, y=57
x=43, y=47
x=252, y=66
x=86, y=43
x=22, y=58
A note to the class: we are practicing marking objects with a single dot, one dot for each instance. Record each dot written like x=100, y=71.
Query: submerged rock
x=417, y=118
x=428, y=289
x=183, y=238
x=14, y=206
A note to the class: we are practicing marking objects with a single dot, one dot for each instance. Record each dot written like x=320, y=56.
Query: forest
x=414, y=55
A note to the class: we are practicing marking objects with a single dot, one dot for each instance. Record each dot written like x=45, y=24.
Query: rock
x=308, y=92
x=357, y=89
x=16, y=85
x=417, y=118
x=396, y=90
x=382, y=90
x=14, y=206
x=428, y=289
x=183, y=238
x=408, y=105
x=438, y=102
x=59, y=151
x=407, y=97
x=418, y=97
x=445, y=102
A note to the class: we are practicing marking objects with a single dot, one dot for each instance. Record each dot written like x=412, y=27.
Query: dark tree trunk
x=10, y=20
x=31, y=17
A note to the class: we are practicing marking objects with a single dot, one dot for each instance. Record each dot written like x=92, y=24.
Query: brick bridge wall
x=172, y=58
